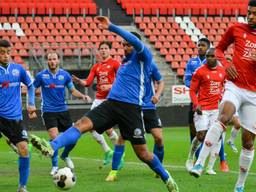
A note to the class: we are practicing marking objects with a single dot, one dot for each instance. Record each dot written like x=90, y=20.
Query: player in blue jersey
x=194, y=63
x=151, y=119
x=11, y=123
x=53, y=82
x=122, y=107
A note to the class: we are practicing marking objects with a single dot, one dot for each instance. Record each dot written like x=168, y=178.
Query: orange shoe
x=224, y=166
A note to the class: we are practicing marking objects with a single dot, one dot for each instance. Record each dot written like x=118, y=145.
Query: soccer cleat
x=22, y=189
x=224, y=166
x=54, y=170
x=239, y=189
x=197, y=170
x=68, y=162
x=42, y=145
x=210, y=171
x=107, y=157
x=189, y=164
x=112, y=176
x=171, y=184
x=232, y=146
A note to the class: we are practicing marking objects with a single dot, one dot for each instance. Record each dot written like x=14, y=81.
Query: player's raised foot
x=22, y=189
x=197, y=170
x=108, y=157
x=210, y=171
x=239, y=189
x=224, y=166
x=42, y=145
x=189, y=164
x=68, y=162
x=53, y=170
x=112, y=176
x=171, y=184
x=232, y=146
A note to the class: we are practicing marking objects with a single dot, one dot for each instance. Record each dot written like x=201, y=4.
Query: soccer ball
x=64, y=178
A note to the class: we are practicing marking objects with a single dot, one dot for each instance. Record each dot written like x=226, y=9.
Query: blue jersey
x=129, y=85
x=53, y=89
x=155, y=75
x=192, y=65
x=10, y=90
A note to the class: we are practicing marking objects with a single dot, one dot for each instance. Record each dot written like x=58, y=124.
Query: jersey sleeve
x=194, y=85
x=226, y=40
x=69, y=82
x=37, y=81
x=90, y=78
x=24, y=77
x=116, y=66
x=188, y=74
x=156, y=73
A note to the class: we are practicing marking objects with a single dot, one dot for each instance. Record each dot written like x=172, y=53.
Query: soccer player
x=239, y=95
x=53, y=82
x=11, y=123
x=195, y=62
x=205, y=92
x=151, y=119
x=123, y=106
x=105, y=73
x=235, y=128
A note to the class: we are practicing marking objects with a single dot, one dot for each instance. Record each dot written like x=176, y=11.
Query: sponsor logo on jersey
x=46, y=76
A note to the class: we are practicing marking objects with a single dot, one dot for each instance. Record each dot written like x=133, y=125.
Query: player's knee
x=84, y=124
x=248, y=144
x=200, y=136
x=158, y=140
x=224, y=118
x=23, y=151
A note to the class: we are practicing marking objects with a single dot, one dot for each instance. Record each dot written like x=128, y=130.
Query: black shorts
x=61, y=120
x=14, y=130
x=191, y=114
x=127, y=116
x=151, y=120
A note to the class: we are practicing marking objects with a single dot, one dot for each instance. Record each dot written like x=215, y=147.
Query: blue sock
x=222, y=153
x=118, y=153
x=158, y=168
x=198, y=151
x=159, y=152
x=67, y=150
x=55, y=159
x=70, y=136
x=24, y=169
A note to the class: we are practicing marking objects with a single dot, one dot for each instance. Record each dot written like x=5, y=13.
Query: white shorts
x=245, y=103
x=204, y=121
x=97, y=102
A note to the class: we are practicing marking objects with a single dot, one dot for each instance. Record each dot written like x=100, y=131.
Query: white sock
x=212, y=137
x=100, y=139
x=214, y=154
x=113, y=137
x=224, y=136
x=193, y=147
x=233, y=134
x=245, y=162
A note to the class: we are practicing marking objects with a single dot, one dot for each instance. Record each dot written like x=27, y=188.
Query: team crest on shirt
x=15, y=72
x=46, y=76
x=61, y=77
x=137, y=133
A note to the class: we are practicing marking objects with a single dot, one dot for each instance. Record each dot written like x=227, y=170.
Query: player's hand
x=155, y=99
x=75, y=79
x=87, y=98
x=103, y=22
x=31, y=112
x=105, y=87
x=232, y=72
x=199, y=110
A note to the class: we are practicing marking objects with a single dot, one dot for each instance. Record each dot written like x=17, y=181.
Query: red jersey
x=207, y=86
x=105, y=72
x=244, y=39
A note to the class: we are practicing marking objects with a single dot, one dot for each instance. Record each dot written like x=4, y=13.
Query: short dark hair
x=204, y=39
x=108, y=43
x=252, y=3
x=136, y=34
x=5, y=43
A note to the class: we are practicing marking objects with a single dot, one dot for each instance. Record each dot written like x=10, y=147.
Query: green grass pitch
x=135, y=176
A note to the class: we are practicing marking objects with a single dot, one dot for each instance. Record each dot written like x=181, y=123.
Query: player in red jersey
x=205, y=92
x=105, y=73
x=239, y=95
